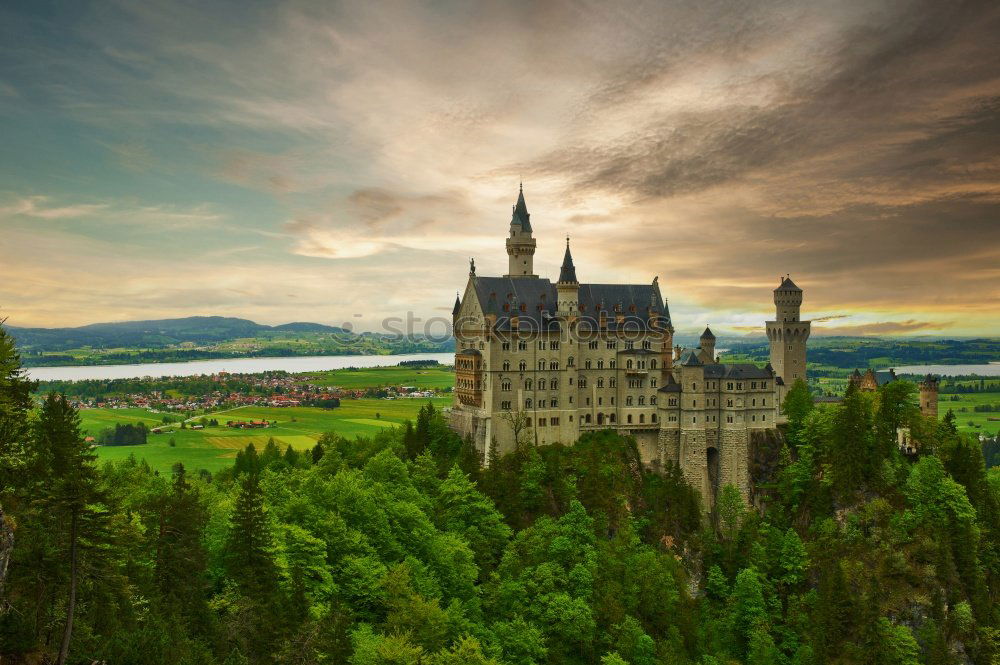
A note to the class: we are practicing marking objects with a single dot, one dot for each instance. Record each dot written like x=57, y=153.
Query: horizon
x=166, y=159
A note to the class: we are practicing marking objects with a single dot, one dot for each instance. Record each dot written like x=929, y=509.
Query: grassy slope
x=214, y=448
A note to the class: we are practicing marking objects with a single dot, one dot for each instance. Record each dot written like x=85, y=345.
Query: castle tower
x=520, y=244
x=568, y=287
x=708, y=346
x=929, y=397
x=787, y=334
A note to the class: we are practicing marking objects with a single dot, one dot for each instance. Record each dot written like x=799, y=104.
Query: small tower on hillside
x=708, y=346
x=568, y=288
x=929, y=397
x=520, y=244
x=787, y=334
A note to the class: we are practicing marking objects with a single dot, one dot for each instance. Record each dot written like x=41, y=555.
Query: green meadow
x=423, y=378
x=969, y=420
x=214, y=448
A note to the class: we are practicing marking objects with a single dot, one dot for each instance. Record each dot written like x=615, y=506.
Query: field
x=423, y=378
x=980, y=422
x=214, y=448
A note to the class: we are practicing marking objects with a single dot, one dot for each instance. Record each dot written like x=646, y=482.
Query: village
x=204, y=394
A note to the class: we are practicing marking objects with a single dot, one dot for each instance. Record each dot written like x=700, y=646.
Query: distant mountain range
x=157, y=333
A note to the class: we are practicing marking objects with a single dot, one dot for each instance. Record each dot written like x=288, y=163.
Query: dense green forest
x=399, y=549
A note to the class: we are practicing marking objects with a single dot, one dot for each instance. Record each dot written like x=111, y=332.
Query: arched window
x=541, y=384
x=600, y=364
x=527, y=384
x=582, y=383
x=611, y=419
x=652, y=364
x=642, y=400
x=600, y=383
x=554, y=384
x=554, y=364
x=612, y=364
x=527, y=403
x=506, y=365
x=505, y=384
x=541, y=364
x=642, y=417
x=586, y=419
x=628, y=401
x=628, y=419
x=570, y=362
x=522, y=365
x=612, y=382
x=587, y=364
x=628, y=364
x=600, y=418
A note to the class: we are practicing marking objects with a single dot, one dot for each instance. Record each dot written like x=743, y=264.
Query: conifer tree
x=249, y=557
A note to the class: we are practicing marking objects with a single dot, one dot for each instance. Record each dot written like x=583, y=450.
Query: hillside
x=200, y=338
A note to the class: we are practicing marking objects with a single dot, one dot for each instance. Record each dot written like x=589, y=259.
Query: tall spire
x=458, y=305
x=567, y=273
x=521, y=217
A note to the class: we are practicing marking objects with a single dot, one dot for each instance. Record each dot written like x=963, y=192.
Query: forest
x=398, y=549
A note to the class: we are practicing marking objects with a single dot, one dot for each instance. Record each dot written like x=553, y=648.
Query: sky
x=341, y=162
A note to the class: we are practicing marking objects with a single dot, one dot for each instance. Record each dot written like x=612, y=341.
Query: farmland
x=214, y=448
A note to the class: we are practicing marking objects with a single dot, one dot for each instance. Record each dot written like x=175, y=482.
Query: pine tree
x=249, y=558
x=15, y=401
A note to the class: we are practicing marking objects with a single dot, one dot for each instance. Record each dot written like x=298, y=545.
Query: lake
x=232, y=365
x=989, y=369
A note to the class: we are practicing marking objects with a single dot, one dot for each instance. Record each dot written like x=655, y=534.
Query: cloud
x=38, y=207
x=884, y=328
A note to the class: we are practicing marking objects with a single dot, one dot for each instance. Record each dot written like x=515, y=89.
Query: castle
x=539, y=363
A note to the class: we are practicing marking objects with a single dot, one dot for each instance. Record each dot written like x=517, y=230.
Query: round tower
x=520, y=243
x=787, y=334
x=929, y=397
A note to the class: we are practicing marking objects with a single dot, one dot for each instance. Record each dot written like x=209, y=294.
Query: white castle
x=539, y=363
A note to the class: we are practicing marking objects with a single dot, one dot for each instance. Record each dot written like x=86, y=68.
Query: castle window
x=642, y=364
x=612, y=382
x=541, y=422
x=652, y=400
x=612, y=401
x=570, y=362
x=588, y=404
x=672, y=401
x=763, y=417
x=611, y=418
x=652, y=364
x=555, y=421
x=739, y=386
x=593, y=345
x=522, y=346
x=582, y=383
x=541, y=364
x=505, y=385
x=527, y=422
x=527, y=384
x=694, y=404
x=600, y=383
x=506, y=365
x=629, y=345
x=652, y=382
x=628, y=401
x=729, y=386
x=729, y=419
x=554, y=345
x=694, y=387
x=694, y=419
x=628, y=419
x=600, y=364
x=586, y=418
x=763, y=402
x=753, y=417
x=541, y=384
x=600, y=401
x=554, y=364
x=541, y=404
x=571, y=401
x=481, y=346
x=505, y=406
x=642, y=417
x=611, y=364
x=729, y=402
x=646, y=345
x=541, y=345
x=586, y=364
x=612, y=344
x=628, y=364
x=505, y=346
x=642, y=400
x=672, y=418
x=763, y=385
x=554, y=384
x=527, y=403
x=522, y=365
x=652, y=418
x=554, y=403
x=753, y=402
x=524, y=307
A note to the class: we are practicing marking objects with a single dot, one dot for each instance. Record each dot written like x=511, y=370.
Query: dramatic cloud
x=355, y=155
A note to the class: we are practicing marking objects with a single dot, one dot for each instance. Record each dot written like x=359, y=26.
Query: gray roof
x=521, y=217
x=458, y=306
x=689, y=359
x=533, y=291
x=671, y=385
x=707, y=334
x=787, y=285
x=885, y=376
x=737, y=371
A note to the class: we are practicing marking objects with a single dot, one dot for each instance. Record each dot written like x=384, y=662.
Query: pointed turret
x=520, y=244
x=707, y=334
x=568, y=288
x=458, y=305
x=567, y=274
x=708, y=345
x=521, y=216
